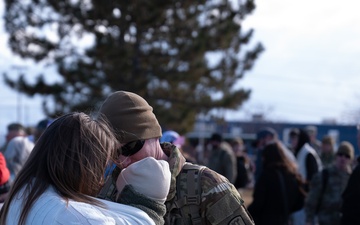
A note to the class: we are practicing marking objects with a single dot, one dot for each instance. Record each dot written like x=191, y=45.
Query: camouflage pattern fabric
x=327, y=159
x=330, y=205
x=223, y=161
x=220, y=202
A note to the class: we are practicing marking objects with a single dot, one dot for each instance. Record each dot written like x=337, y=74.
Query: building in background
x=247, y=131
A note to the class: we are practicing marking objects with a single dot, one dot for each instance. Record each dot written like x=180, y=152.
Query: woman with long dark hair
x=279, y=189
x=62, y=175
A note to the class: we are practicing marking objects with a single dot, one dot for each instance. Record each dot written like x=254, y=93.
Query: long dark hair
x=71, y=156
x=274, y=157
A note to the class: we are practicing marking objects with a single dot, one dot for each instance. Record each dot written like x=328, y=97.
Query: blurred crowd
x=305, y=181
x=308, y=181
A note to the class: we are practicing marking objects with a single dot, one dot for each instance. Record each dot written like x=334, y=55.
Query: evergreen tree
x=157, y=49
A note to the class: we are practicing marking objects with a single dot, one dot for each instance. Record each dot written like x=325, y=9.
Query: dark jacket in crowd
x=271, y=202
x=351, y=199
x=242, y=177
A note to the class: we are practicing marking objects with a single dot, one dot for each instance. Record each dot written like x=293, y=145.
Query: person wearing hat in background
x=327, y=151
x=174, y=137
x=324, y=197
x=314, y=142
x=136, y=127
x=40, y=128
x=265, y=136
x=222, y=158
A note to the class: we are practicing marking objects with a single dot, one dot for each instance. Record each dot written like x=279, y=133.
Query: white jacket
x=51, y=209
x=16, y=154
x=301, y=159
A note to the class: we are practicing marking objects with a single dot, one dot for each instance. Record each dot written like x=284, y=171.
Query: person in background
x=30, y=133
x=197, y=194
x=13, y=130
x=324, y=198
x=245, y=167
x=351, y=198
x=16, y=153
x=4, y=179
x=265, y=136
x=40, y=128
x=293, y=136
x=222, y=159
x=279, y=189
x=327, y=151
x=351, y=195
x=314, y=142
x=309, y=163
x=174, y=138
x=65, y=171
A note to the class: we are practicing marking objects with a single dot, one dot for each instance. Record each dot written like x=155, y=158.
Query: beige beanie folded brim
x=148, y=176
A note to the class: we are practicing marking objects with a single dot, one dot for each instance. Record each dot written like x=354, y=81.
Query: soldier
x=222, y=158
x=314, y=142
x=327, y=151
x=326, y=187
x=197, y=194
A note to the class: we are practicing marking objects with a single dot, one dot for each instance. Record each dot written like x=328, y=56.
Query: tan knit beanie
x=131, y=117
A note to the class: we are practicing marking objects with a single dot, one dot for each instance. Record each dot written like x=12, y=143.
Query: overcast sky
x=309, y=71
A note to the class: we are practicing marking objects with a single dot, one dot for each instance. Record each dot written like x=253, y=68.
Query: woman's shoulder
x=82, y=213
x=108, y=213
x=51, y=208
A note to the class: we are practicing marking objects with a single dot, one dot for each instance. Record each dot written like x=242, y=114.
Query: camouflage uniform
x=330, y=205
x=223, y=161
x=220, y=202
x=327, y=159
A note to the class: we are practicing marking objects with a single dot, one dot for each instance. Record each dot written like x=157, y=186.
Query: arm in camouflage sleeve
x=221, y=202
x=312, y=198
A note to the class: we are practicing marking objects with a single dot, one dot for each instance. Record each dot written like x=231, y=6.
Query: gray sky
x=309, y=71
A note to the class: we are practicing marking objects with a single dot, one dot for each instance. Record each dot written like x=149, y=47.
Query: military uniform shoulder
x=211, y=179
